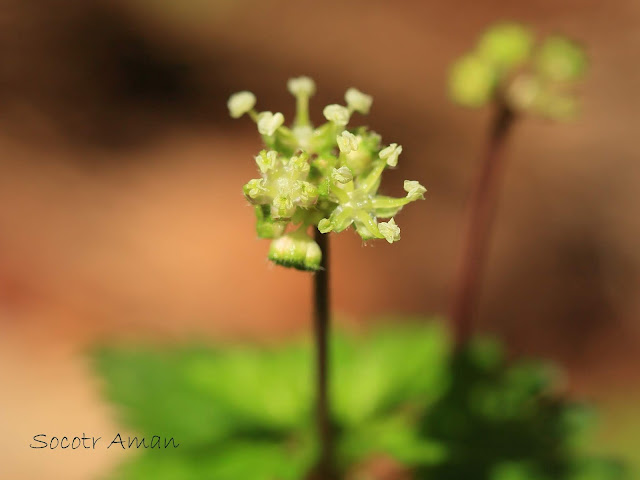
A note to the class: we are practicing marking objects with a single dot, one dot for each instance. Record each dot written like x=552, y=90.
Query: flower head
x=509, y=66
x=323, y=177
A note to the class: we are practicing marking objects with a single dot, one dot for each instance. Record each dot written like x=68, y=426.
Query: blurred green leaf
x=247, y=460
x=389, y=366
x=245, y=412
x=502, y=421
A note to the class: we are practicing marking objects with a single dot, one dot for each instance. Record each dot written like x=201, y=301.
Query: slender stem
x=324, y=469
x=481, y=215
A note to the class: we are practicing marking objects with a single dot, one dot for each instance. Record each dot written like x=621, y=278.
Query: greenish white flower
x=269, y=122
x=414, y=190
x=390, y=230
x=241, y=103
x=391, y=154
x=337, y=114
x=358, y=101
x=283, y=185
x=342, y=175
x=266, y=160
x=301, y=86
x=347, y=142
x=359, y=204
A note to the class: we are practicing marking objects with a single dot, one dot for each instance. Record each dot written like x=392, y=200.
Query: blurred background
x=122, y=216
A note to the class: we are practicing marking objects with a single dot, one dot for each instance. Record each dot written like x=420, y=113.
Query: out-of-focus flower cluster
x=324, y=177
x=510, y=66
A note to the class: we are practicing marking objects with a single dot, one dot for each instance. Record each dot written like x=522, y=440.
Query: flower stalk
x=479, y=224
x=321, y=328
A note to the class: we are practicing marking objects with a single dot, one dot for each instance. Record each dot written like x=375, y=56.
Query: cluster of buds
x=324, y=177
x=508, y=65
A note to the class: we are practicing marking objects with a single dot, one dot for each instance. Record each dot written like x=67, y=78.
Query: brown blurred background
x=121, y=213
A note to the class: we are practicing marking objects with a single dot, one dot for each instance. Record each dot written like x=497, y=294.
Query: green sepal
x=296, y=250
x=267, y=227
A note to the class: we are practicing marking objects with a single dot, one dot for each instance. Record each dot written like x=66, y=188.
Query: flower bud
x=414, y=190
x=269, y=122
x=336, y=114
x=347, y=142
x=266, y=160
x=296, y=250
x=390, y=230
x=358, y=101
x=341, y=175
x=391, y=154
x=303, y=86
x=241, y=103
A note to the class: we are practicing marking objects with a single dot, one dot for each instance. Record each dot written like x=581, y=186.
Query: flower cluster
x=509, y=66
x=324, y=177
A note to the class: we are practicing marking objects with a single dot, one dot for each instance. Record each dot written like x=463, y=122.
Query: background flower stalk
x=516, y=75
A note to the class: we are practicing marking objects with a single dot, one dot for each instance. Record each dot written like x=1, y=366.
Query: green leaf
x=247, y=460
x=388, y=367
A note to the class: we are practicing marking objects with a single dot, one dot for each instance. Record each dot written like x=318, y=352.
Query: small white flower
x=348, y=142
x=301, y=86
x=414, y=190
x=240, y=103
x=266, y=160
x=358, y=101
x=390, y=230
x=255, y=188
x=269, y=122
x=342, y=175
x=337, y=114
x=391, y=154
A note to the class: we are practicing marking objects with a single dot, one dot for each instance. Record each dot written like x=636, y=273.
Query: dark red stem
x=321, y=326
x=481, y=215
